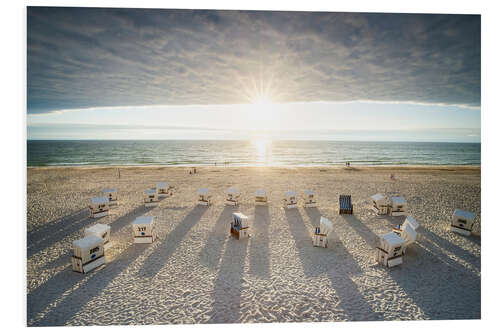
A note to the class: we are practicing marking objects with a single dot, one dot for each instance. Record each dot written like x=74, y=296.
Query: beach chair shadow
x=366, y=233
x=456, y=297
x=63, y=281
x=42, y=239
x=335, y=261
x=55, y=225
x=226, y=294
x=116, y=226
x=211, y=252
x=97, y=281
x=459, y=295
x=157, y=260
x=259, y=243
x=438, y=243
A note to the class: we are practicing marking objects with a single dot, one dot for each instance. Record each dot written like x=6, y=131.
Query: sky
x=101, y=73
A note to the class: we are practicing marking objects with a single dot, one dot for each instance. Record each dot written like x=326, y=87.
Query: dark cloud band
x=97, y=57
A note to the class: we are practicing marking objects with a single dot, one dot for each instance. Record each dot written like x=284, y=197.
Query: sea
x=259, y=152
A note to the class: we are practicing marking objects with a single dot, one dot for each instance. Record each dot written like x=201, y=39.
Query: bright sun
x=261, y=99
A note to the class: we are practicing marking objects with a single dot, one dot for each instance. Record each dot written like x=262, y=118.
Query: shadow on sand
x=116, y=226
x=456, y=297
x=259, y=244
x=335, y=261
x=61, y=282
x=433, y=240
x=211, y=252
x=226, y=294
x=96, y=284
x=157, y=260
x=47, y=236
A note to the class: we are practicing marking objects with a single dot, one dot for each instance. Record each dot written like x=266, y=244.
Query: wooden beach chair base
x=87, y=267
x=291, y=206
x=382, y=257
x=261, y=203
x=310, y=205
x=231, y=203
x=204, y=203
x=320, y=240
x=380, y=211
x=144, y=239
x=398, y=213
x=461, y=231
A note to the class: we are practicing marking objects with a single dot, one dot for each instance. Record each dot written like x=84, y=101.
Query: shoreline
x=333, y=167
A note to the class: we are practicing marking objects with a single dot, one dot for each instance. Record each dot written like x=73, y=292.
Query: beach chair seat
x=398, y=206
x=320, y=235
x=232, y=196
x=390, y=250
x=112, y=196
x=204, y=197
x=290, y=200
x=99, y=207
x=309, y=198
x=239, y=225
x=345, y=205
x=88, y=254
x=260, y=197
x=144, y=230
x=163, y=189
x=100, y=230
x=462, y=222
x=380, y=204
x=151, y=197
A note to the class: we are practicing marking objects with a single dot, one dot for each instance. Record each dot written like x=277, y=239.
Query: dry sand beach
x=197, y=273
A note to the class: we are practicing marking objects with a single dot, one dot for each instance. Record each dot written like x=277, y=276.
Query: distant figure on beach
x=194, y=170
x=393, y=177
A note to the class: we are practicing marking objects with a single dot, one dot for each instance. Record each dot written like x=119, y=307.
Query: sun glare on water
x=262, y=150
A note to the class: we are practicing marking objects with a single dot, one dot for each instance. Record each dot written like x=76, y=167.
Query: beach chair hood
x=325, y=225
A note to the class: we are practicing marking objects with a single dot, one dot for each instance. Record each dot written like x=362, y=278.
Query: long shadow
x=49, y=236
x=156, y=260
x=116, y=226
x=226, y=294
x=126, y=219
x=369, y=236
x=259, y=245
x=96, y=283
x=475, y=239
x=55, y=225
x=211, y=252
x=335, y=261
x=445, y=244
x=61, y=282
x=456, y=297
x=450, y=247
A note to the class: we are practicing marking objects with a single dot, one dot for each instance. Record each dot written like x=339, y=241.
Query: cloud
x=103, y=57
